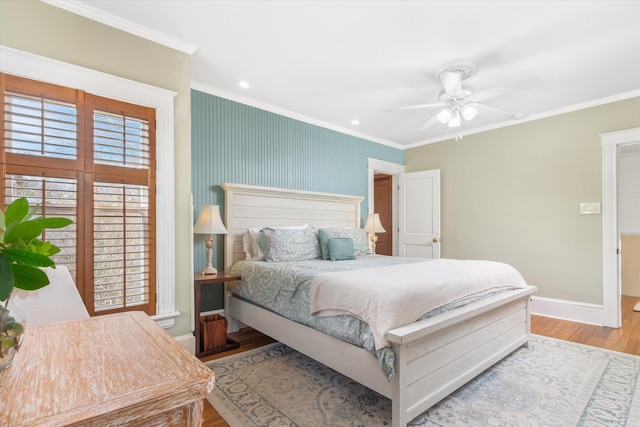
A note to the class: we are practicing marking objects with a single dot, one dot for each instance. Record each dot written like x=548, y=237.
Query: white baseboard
x=592, y=314
x=187, y=341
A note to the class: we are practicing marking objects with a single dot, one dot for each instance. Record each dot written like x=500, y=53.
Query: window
x=91, y=159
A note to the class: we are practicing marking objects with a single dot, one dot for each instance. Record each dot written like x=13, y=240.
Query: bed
x=433, y=357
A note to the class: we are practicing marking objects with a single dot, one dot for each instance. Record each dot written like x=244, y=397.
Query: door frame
x=388, y=168
x=611, y=285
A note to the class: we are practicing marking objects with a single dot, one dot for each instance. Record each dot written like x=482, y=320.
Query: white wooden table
x=120, y=369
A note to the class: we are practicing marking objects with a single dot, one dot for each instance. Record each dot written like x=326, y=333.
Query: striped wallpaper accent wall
x=234, y=142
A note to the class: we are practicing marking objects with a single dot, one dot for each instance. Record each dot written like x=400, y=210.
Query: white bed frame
x=434, y=357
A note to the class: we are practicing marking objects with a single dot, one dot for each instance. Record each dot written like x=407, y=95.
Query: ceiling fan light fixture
x=445, y=115
x=454, y=122
x=469, y=112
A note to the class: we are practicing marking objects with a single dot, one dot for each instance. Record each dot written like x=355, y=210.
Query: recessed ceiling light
x=244, y=84
x=355, y=122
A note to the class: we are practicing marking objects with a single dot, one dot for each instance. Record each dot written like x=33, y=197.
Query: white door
x=419, y=214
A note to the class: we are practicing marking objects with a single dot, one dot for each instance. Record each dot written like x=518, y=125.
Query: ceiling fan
x=458, y=102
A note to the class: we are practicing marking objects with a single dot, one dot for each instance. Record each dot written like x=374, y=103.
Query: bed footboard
x=437, y=356
x=434, y=357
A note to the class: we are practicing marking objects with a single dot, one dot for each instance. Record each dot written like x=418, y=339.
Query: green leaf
x=31, y=213
x=55, y=222
x=53, y=249
x=6, y=342
x=6, y=278
x=26, y=231
x=34, y=259
x=29, y=278
x=16, y=211
x=42, y=247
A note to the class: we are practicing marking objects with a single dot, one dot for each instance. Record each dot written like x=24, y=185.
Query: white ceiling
x=330, y=62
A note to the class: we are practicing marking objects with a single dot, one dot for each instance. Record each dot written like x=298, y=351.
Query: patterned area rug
x=551, y=383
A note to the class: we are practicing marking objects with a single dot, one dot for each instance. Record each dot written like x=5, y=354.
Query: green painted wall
x=233, y=142
x=513, y=195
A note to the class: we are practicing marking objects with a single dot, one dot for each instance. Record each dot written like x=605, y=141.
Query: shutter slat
x=121, y=258
x=40, y=127
x=121, y=141
x=56, y=197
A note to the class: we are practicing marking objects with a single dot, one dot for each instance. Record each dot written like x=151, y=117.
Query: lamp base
x=208, y=270
x=373, y=239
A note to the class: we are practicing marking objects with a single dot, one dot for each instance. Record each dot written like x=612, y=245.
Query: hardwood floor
x=625, y=339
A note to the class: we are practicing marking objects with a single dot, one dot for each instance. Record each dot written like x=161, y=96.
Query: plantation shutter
x=123, y=205
x=90, y=159
x=39, y=156
x=56, y=196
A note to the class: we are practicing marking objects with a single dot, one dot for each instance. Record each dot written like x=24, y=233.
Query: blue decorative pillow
x=279, y=245
x=358, y=235
x=341, y=248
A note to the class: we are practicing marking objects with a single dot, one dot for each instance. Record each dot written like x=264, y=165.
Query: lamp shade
x=373, y=224
x=209, y=221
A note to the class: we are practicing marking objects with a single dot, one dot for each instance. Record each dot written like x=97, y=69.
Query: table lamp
x=210, y=223
x=373, y=226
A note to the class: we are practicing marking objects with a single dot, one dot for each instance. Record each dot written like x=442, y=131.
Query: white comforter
x=393, y=296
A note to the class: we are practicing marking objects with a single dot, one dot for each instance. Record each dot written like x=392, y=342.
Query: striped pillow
x=341, y=249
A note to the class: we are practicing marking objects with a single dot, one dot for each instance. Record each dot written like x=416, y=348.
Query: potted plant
x=22, y=254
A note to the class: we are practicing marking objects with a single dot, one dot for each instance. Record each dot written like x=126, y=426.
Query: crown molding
x=288, y=113
x=544, y=115
x=82, y=9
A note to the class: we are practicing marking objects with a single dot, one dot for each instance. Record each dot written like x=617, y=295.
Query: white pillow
x=246, y=245
x=250, y=244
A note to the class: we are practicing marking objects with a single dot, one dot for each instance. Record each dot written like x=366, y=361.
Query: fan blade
x=414, y=107
x=482, y=108
x=503, y=90
x=451, y=83
x=432, y=121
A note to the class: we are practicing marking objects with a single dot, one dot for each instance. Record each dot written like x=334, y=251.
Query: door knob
x=436, y=240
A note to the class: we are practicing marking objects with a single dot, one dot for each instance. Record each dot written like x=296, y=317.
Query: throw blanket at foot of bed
x=393, y=296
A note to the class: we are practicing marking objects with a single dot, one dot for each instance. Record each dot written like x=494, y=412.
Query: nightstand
x=199, y=280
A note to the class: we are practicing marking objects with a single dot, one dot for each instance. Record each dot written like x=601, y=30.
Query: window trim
x=48, y=70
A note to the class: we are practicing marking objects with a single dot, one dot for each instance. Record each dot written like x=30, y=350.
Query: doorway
x=629, y=221
x=383, y=206
x=394, y=170
x=418, y=225
x=611, y=143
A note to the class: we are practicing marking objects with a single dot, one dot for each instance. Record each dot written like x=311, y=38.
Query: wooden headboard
x=248, y=206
